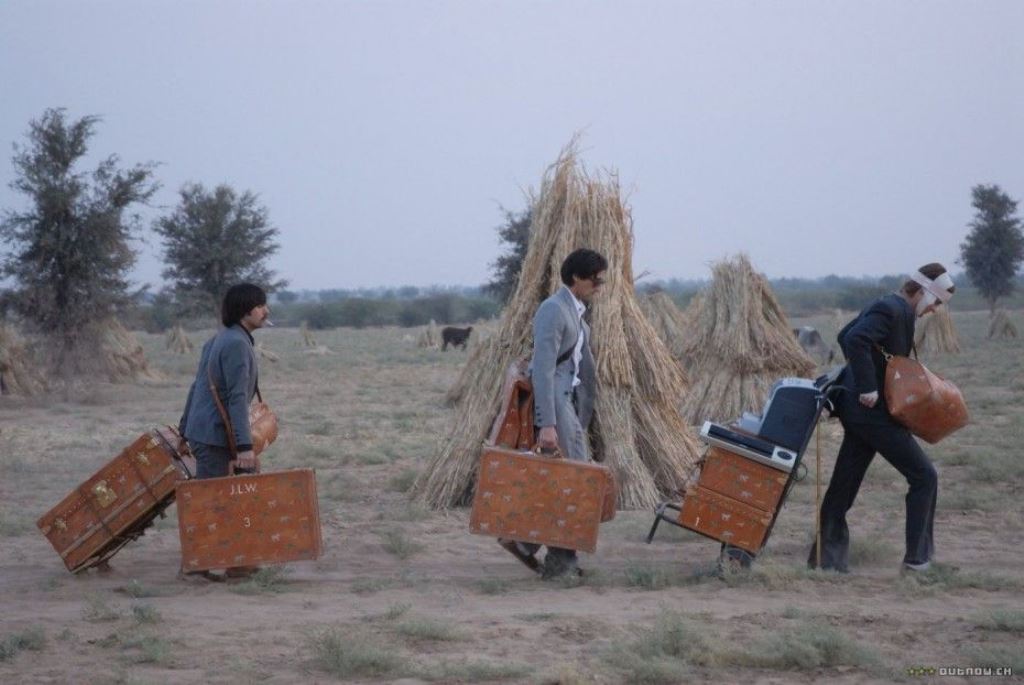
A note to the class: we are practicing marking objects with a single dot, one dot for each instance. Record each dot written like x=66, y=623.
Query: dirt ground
x=404, y=594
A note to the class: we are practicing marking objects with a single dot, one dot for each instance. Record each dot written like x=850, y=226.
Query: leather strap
x=232, y=448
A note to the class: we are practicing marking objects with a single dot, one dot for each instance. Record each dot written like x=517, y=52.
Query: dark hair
x=582, y=264
x=239, y=300
x=932, y=271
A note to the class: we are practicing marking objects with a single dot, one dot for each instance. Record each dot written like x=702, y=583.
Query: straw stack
x=638, y=431
x=19, y=375
x=937, y=334
x=742, y=344
x=178, y=342
x=121, y=355
x=307, y=336
x=667, y=319
x=1001, y=327
x=430, y=337
x=266, y=353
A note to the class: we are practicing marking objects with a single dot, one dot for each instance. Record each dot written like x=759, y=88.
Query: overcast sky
x=819, y=137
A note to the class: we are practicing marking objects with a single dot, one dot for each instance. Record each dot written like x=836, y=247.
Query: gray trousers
x=211, y=460
x=572, y=441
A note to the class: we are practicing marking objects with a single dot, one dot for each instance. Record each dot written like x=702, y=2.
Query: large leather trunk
x=723, y=518
x=743, y=479
x=532, y=498
x=116, y=504
x=928, y=405
x=249, y=520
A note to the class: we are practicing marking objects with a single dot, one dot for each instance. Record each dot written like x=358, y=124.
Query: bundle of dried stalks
x=307, y=336
x=667, y=319
x=266, y=353
x=1001, y=326
x=19, y=373
x=121, y=356
x=742, y=343
x=638, y=431
x=937, y=334
x=430, y=337
x=177, y=341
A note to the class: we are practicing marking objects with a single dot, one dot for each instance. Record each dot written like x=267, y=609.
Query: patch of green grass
x=647, y=577
x=12, y=526
x=137, y=590
x=493, y=586
x=339, y=487
x=267, y=580
x=810, y=645
x=403, y=481
x=345, y=654
x=369, y=586
x=868, y=550
x=531, y=618
x=474, y=671
x=944, y=578
x=33, y=639
x=664, y=653
x=97, y=610
x=324, y=428
x=395, y=542
x=1006, y=620
x=429, y=629
x=396, y=611
x=146, y=613
x=147, y=649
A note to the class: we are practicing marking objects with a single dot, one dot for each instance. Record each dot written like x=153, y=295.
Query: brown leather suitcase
x=249, y=520
x=723, y=518
x=743, y=479
x=928, y=405
x=532, y=498
x=119, y=502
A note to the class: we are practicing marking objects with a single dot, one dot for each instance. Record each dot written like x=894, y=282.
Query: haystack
x=19, y=374
x=178, y=342
x=266, y=353
x=667, y=319
x=121, y=356
x=638, y=431
x=937, y=334
x=1001, y=327
x=307, y=336
x=742, y=344
x=430, y=337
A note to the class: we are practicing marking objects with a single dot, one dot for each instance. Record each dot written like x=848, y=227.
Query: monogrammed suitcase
x=249, y=520
x=119, y=502
x=533, y=498
x=723, y=518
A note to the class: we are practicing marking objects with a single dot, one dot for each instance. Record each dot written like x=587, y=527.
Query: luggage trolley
x=749, y=469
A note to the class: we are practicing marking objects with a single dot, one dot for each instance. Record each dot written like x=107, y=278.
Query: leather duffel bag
x=928, y=405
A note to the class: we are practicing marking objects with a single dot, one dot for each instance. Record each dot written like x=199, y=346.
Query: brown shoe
x=241, y=572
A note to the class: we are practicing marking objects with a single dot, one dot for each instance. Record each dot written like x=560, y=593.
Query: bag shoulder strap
x=232, y=448
x=565, y=355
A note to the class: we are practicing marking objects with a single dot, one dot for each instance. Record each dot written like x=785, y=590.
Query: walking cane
x=817, y=495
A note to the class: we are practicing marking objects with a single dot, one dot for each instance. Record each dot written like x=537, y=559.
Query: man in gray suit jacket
x=564, y=376
x=229, y=360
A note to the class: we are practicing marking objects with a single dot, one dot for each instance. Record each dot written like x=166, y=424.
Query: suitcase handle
x=233, y=469
x=553, y=454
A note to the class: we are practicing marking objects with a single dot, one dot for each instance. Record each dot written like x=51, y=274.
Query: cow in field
x=456, y=337
x=810, y=340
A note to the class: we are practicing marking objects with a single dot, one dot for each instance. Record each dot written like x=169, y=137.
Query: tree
x=516, y=233
x=994, y=248
x=70, y=252
x=214, y=240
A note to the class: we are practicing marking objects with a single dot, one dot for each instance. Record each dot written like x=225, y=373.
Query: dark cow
x=810, y=340
x=455, y=336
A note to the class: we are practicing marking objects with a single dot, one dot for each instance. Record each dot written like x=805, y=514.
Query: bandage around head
x=940, y=288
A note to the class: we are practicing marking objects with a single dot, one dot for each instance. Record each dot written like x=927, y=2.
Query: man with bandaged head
x=884, y=326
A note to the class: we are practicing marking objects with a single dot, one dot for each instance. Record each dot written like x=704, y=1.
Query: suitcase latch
x=59, y=523
x=104, y=495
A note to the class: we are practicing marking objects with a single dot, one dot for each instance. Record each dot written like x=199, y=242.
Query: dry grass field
x=404, y=594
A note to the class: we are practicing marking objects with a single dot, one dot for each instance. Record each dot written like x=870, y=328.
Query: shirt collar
x=580, y=307
x=252, y=341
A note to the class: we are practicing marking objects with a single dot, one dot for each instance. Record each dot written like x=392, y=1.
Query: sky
x=384, y=137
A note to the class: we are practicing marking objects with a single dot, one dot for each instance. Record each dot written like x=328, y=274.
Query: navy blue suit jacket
x=887, y=322
x=231, y=358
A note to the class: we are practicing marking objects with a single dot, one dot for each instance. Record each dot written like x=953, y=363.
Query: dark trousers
x=211, y=460
x=861, y=441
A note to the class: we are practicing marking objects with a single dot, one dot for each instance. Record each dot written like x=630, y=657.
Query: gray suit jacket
x=556, y=327
x=232, y=361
